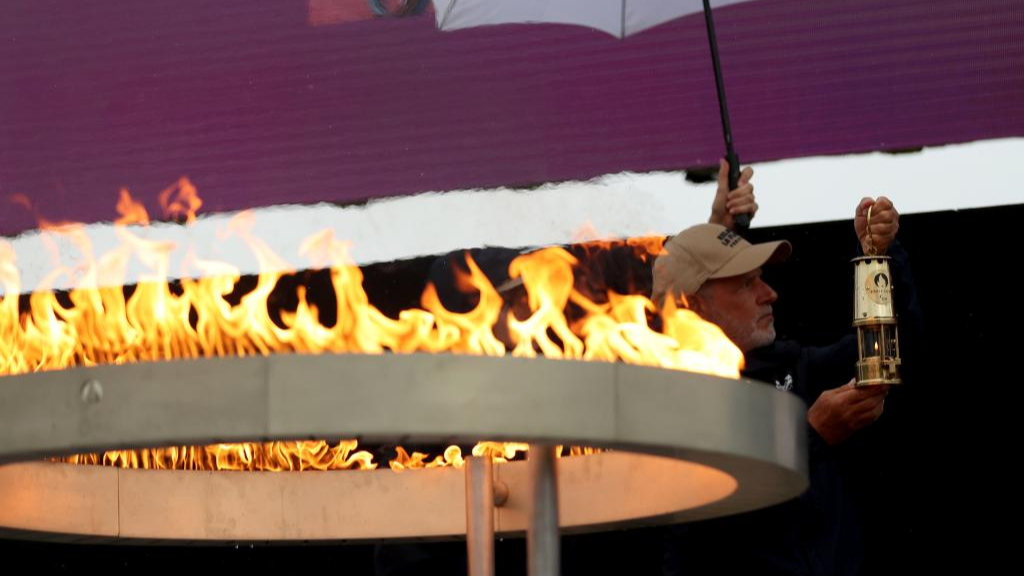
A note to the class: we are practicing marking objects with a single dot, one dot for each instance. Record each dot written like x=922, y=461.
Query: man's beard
x=747, y=337
x=761, y=337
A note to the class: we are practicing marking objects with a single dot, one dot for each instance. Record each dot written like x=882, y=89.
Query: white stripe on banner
x=624, y=205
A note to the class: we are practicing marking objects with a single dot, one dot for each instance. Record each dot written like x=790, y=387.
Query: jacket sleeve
x=823, y=368
x=910, y=317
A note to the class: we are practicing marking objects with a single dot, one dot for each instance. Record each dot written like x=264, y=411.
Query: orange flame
x=131, y=212
x=452, y=456
x=92, y=325
x=266, y=456
x=644, y=247
x=44, y=224
x=180, y=201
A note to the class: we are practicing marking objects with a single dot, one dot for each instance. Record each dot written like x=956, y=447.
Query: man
x=718, y=274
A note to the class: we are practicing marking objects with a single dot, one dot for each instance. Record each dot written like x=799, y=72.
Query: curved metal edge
x=751, y=432
x=71, y=504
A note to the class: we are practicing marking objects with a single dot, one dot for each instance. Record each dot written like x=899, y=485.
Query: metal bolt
x=92, y=391
x=500, y=493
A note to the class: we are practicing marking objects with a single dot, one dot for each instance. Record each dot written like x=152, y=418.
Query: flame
x=452, y=456
x=130, y=211
x=180, y=201
x=547, y=276
x=643, y=247
x=218, y=314
x=266, y=456
x=497, y=451
x=44, y=223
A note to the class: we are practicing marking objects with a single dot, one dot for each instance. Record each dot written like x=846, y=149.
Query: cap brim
x=754, y=257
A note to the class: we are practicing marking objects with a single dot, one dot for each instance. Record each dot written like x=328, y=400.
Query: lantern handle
x=871, y=251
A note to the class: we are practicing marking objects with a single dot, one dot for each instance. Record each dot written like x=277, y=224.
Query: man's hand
x=885, y=222
x=840, y=412
x=728, y=204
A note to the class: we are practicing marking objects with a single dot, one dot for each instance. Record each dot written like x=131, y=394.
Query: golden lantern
x=874, y=317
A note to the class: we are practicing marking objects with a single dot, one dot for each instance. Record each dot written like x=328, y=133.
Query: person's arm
x=836, y=411
x=840, y=412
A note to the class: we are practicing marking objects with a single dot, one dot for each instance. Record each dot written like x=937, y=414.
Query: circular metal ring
x=686, y=446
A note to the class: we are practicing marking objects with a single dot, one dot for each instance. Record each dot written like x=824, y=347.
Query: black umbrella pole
x=742, y=220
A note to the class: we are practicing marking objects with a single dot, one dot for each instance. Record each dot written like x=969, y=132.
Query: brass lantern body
x=874, y=317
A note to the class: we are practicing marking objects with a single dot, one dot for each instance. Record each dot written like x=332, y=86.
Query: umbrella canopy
x=619, y=18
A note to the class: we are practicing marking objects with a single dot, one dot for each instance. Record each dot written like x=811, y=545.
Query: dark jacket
x=818, y=532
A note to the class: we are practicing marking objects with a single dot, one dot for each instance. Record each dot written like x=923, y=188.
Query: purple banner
x=259, y=107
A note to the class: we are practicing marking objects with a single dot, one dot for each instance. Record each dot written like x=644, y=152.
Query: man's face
x=741, y=306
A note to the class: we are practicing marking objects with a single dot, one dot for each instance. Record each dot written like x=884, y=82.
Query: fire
x=266, y=456
x=643, y=247
x=130, y=211
x=496, y=451
x=209, y=313
x=180, y=201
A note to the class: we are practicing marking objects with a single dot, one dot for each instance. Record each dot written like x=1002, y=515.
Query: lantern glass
x=875, y=320
x=878, y=349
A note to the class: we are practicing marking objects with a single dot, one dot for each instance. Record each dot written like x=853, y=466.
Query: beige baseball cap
x=707, y=251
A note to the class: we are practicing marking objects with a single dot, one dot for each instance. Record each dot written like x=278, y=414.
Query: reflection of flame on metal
x=217, y=315
x=266, y=456
x=497, y=451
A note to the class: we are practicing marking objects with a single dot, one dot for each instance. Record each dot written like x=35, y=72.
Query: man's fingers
x=882, y=210
x=862, y=412
x=741, y=200
x=853, y=396
x=847, y=388
x=741, y=191
x=884, y=229
x=870, y=391
x=883, y=217
x=745, y=176
x=859, y=404
x=862, y=208
x=868, y=413
x=723, y=174
x=888, y=225
x=748, y=208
